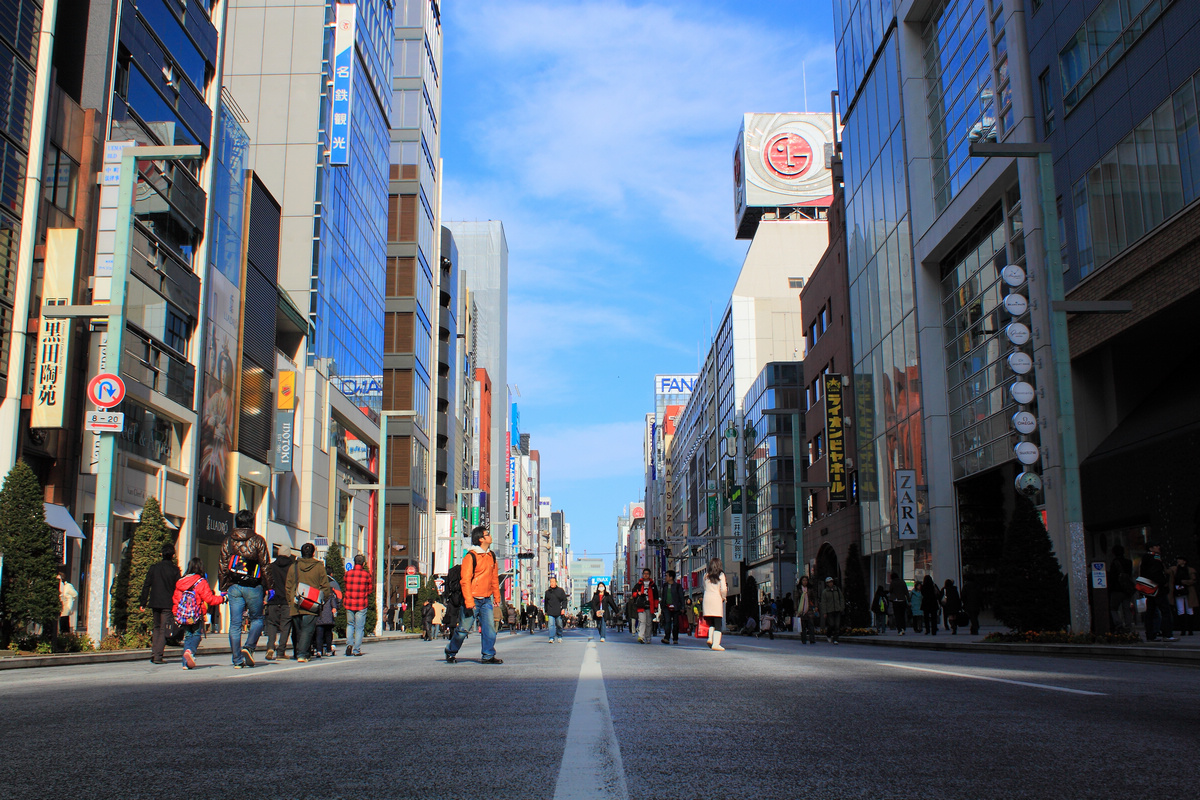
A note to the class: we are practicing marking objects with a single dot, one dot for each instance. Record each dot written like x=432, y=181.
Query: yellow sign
x=285, y=397
x=835, y=436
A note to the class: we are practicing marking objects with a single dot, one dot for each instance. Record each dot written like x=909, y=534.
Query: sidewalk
x=1185, y=652
x=213, y=644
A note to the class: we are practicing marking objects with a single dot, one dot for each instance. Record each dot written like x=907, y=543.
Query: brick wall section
x=838, y=526
x=1163, y=268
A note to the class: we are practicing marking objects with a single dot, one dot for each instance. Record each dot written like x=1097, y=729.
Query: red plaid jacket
x=357, y=588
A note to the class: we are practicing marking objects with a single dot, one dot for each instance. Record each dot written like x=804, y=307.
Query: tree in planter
x=858, y=611
x=1031, y=590
x=30, y=584
x=427, y=591
x=143, y=552
x=335, y=568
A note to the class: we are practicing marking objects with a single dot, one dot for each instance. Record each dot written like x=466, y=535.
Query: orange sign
x=285, y=398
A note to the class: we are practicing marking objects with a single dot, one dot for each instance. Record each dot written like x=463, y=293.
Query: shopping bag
x=702, y=628
x=1141, y=605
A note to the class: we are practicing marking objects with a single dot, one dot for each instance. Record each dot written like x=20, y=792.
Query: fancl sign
x=359, y=385
x=343, y=76
x=674, y=384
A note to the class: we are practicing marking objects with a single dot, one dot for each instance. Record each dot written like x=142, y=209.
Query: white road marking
x=591, y=763
x=994, y=680
x=245, y=673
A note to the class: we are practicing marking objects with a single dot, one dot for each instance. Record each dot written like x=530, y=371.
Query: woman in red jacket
x=190, y=615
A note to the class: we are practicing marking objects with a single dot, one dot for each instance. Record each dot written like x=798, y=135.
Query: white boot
x=716, y=643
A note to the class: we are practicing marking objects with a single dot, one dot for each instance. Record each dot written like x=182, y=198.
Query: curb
x=170, y=654
x=1162, y=654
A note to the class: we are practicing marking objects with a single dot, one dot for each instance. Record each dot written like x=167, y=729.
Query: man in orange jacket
x=480, y=583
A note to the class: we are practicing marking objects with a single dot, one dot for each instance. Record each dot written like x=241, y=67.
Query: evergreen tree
x=335, y=568
x=29, y=592
x=1031, y=590
x=858, y=611
x=143, y=552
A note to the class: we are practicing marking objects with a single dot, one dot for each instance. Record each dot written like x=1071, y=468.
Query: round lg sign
x=788, y=155
x=106, y=390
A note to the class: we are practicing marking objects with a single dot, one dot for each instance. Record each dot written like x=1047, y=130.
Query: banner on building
x=739, y=543
x=906, y=503
x=835, y=438
x=343, y=84
x=54, y=334
x=220, y=388
x=285, y=419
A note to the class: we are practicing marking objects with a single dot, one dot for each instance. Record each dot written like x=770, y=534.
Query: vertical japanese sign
x=285, y=417
x=835, y=436
x=739, y=541
x=343, y=79
x=906, y=503
x=54, y=335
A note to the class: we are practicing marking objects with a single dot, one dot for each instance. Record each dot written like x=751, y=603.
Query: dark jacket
x=1120, y=577
x=279, y=570
x=427, y=613
x=610, y=612
x=953, y=603
x=556, y=601
x=252, y=551
x=972, y=602
x=159, y=587
x=898, y=591
x=930, y=597
x=672, y=595
x=331, y=606
x=310, y=571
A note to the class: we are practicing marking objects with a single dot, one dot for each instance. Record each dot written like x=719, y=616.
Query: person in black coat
x=951, y=605
x=671, y=604
x=930, y=599
x=972, y=601
x=603, y=608
x=158, y=593
x=555, y=603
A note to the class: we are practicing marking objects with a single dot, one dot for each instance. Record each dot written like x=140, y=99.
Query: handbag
x=1140, y=604
x=309, y=598
x=701, y=628
x=1146, y=586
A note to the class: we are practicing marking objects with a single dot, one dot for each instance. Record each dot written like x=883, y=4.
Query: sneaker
x=558, y=639
x=664, y=641
x=1170, y=639
x=451, y=659
x=641, y=640
x=356, y=655
x=247, y=657
x=349, y=650
x=270, y=654
x=186, y=667
x=492, y=660
x=674, y=641
x=602, y=638
x=189, y=660
x=302, y=660
x=239, y=666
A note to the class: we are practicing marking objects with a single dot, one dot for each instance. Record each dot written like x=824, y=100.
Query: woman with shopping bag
x=715, y=592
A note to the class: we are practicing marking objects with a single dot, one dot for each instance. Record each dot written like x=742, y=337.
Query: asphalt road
x=585, y=719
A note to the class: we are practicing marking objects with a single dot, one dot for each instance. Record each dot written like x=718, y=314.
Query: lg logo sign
x=788, y=155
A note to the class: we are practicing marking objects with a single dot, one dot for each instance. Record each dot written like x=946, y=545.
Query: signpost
x=106, y=390
x=412, y=583
x=111, y=421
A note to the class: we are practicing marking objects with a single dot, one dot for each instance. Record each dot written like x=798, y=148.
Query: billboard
x=779, y=161
x=343, y=84
x=674, y=384
x=637, y=511
x=671, y=418
x=835, y=437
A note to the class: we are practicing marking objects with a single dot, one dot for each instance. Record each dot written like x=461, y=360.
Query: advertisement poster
x=220, y=384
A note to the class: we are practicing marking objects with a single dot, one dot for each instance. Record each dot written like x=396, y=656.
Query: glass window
x=1048, y=120
x=1187, y=135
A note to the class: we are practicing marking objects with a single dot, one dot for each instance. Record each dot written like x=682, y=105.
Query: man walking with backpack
x=555, y=603
x=356, y=595
x=479, y=585
x=157, y=592
x=245, y=578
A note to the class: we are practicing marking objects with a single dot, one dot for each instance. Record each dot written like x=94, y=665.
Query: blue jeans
x=191, y=639
x=244, y=599
x=600, y=626
x=483, y=614
x=356, y=621
x=552, y=622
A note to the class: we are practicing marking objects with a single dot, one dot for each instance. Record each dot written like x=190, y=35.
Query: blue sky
x=602, y=135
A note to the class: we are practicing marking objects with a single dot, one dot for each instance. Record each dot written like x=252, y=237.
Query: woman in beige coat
x=715, y=592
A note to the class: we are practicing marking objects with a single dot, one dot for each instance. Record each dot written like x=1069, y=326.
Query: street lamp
x=1059, y=365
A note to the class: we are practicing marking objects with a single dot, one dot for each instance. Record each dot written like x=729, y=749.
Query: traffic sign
x=110, y=421
x=412, y=583
x=106, y=390
x=411, y=570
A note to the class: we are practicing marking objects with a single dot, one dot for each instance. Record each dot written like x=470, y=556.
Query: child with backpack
x=190, y=605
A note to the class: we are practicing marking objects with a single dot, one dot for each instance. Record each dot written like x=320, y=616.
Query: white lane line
x=591, y=761
x=246, y=673
x=994, y=680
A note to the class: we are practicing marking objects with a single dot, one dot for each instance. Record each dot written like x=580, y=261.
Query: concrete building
x=483, y=257
x=671, y=393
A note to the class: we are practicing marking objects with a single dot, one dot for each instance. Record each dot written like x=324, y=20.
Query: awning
x=127, y=511
x=59, y=518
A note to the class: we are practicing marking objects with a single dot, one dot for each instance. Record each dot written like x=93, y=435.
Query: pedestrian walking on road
x=479, y=584
x=157, y=590
x=1120, y=591
x=645, y=600
x=323, y=644
x=439, y=617
x=930, y=600
x=1183, y=595
x=951, y=605
x=833, y=603
x=879, y=610
x=631, y=615
x=1158, y=605
x=555, y=602
x=915, y=601
x=715, y=592
x=972, y=601
x=672, y=606
x=807, y=609
x=279, y=617
x=68, y=596
x=532, y=617
x=603, y=608
x=898, y=596
x=189, y=603
x=426, y=621
x=245, y=579
x=310, y=574
x=356, y=597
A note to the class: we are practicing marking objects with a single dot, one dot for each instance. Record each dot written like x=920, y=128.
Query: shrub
x=43, y=648
x=111, y=642
x=29, y=592
x=75, y=643
x=143, y=552
x=335, y=568
x=1062, y=637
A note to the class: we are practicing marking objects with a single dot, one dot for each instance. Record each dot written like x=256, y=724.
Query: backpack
x=189, y=610
x=454, y=582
